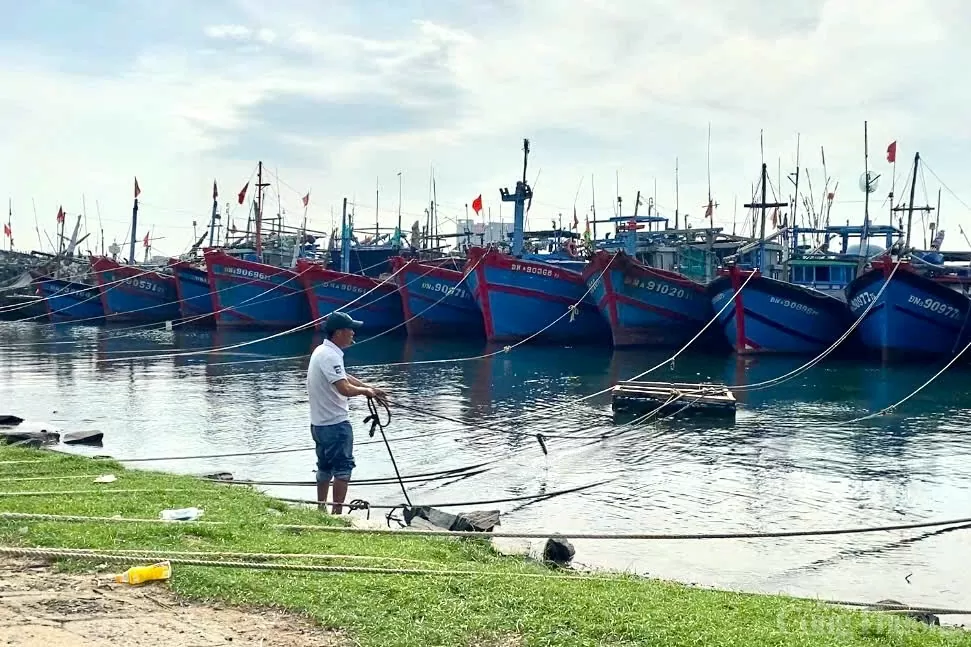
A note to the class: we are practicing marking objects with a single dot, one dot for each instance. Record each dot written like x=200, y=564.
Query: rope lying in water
x=178, y=557
x=510, y=535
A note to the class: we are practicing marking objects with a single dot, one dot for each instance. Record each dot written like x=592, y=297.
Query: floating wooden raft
x=667, y=398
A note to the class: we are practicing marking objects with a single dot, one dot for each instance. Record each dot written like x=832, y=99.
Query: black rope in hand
x=375, y=419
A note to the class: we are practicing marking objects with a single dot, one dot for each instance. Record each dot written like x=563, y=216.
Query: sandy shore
x=40, y=607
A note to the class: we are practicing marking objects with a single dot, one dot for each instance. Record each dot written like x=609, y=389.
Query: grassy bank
x=386, y=610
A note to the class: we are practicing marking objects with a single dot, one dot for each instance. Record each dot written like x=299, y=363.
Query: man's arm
x=377, y=393
x=349, y=390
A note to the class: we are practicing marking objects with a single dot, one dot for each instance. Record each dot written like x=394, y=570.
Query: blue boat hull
x=71, y=301
x=914, y=318
x=195, y=296
x=777, y=317
x=131, y=294
x=253, y=295
x=330, y=290
x=646, y=306
x=438, y=303
x=522, y=299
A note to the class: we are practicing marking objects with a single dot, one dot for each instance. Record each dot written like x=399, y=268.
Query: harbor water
x=788, y=460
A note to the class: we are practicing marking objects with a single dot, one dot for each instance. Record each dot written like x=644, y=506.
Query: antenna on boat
x=677, y=201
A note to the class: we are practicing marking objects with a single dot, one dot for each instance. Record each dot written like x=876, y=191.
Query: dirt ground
x=42, y=608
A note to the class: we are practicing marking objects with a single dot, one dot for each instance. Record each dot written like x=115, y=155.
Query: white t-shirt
x=327, y=405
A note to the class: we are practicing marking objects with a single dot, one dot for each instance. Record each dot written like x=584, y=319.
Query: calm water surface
x=788, y=461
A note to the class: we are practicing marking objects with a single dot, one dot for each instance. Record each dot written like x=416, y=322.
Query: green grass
x=391, y=610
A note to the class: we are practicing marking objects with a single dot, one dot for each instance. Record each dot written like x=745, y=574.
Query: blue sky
x=335, y=97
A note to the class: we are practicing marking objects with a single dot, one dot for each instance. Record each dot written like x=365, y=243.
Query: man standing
x=329, y=387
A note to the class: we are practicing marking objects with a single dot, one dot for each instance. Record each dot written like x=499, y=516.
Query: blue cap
x=338, y=320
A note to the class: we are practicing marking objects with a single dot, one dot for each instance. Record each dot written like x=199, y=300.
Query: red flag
x=892, y=152
x=576, y=221
x=60, y=214
x=137, y=190
x=7, y=231
x=830, y=195
x=145, y=241
x=709, y=210
x=215, y=192
x=477, y=204
x=306, y=199
x=242, y=194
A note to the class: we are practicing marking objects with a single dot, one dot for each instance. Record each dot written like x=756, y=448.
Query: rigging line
x=445, y=504
x=180, y=322
x=144, y=326
x=896, y=404
x=808, y=365
x=504, y=349
x=650, y=370
x=282, y=333
x=361, y=483
x=331, y=282
x=946, y=187
x=96, y=288
x=444, y=296
x=418, y=532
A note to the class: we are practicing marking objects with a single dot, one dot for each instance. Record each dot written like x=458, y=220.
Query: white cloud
x=600, y=88
x=238, y=32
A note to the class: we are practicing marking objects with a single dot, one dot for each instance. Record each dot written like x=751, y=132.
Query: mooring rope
x=304, y=326
x=779, y=534
x=184, y=558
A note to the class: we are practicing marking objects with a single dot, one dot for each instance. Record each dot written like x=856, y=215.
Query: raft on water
x=672, y=398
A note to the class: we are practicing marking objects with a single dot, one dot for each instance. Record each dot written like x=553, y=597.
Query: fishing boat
x=70, y=300
x=769, y=313
x=920, y=313
x=435, y=300
x=328, y=290
x=526, y=296
x=249, y=294
x=135, y=293
x=252, y=280
x=192, y=288
x=645, y=305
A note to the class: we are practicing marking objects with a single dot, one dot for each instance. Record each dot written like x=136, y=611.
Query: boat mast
x=677, y=223
x=866, y=190
x=910, y=207
x=260, y=184
x=134, y=224
x=519, y=198
x=345, y=241
x=763, y=205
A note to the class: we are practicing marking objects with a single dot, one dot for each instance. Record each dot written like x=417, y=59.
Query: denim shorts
x=335, y=451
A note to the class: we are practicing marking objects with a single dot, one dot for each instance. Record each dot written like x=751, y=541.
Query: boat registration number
x=532, y=269
x=935, y=306
x=795, y=305
x=656, y=286
x=861, y=300
x=143, y=284
x=242, y=271
x=444, y=289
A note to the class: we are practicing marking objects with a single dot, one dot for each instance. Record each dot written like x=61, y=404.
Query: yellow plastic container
x=139, y=574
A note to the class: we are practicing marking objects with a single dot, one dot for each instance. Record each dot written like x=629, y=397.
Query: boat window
x=822, y=273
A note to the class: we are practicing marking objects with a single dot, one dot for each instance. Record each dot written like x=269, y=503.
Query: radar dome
x=868, y=248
